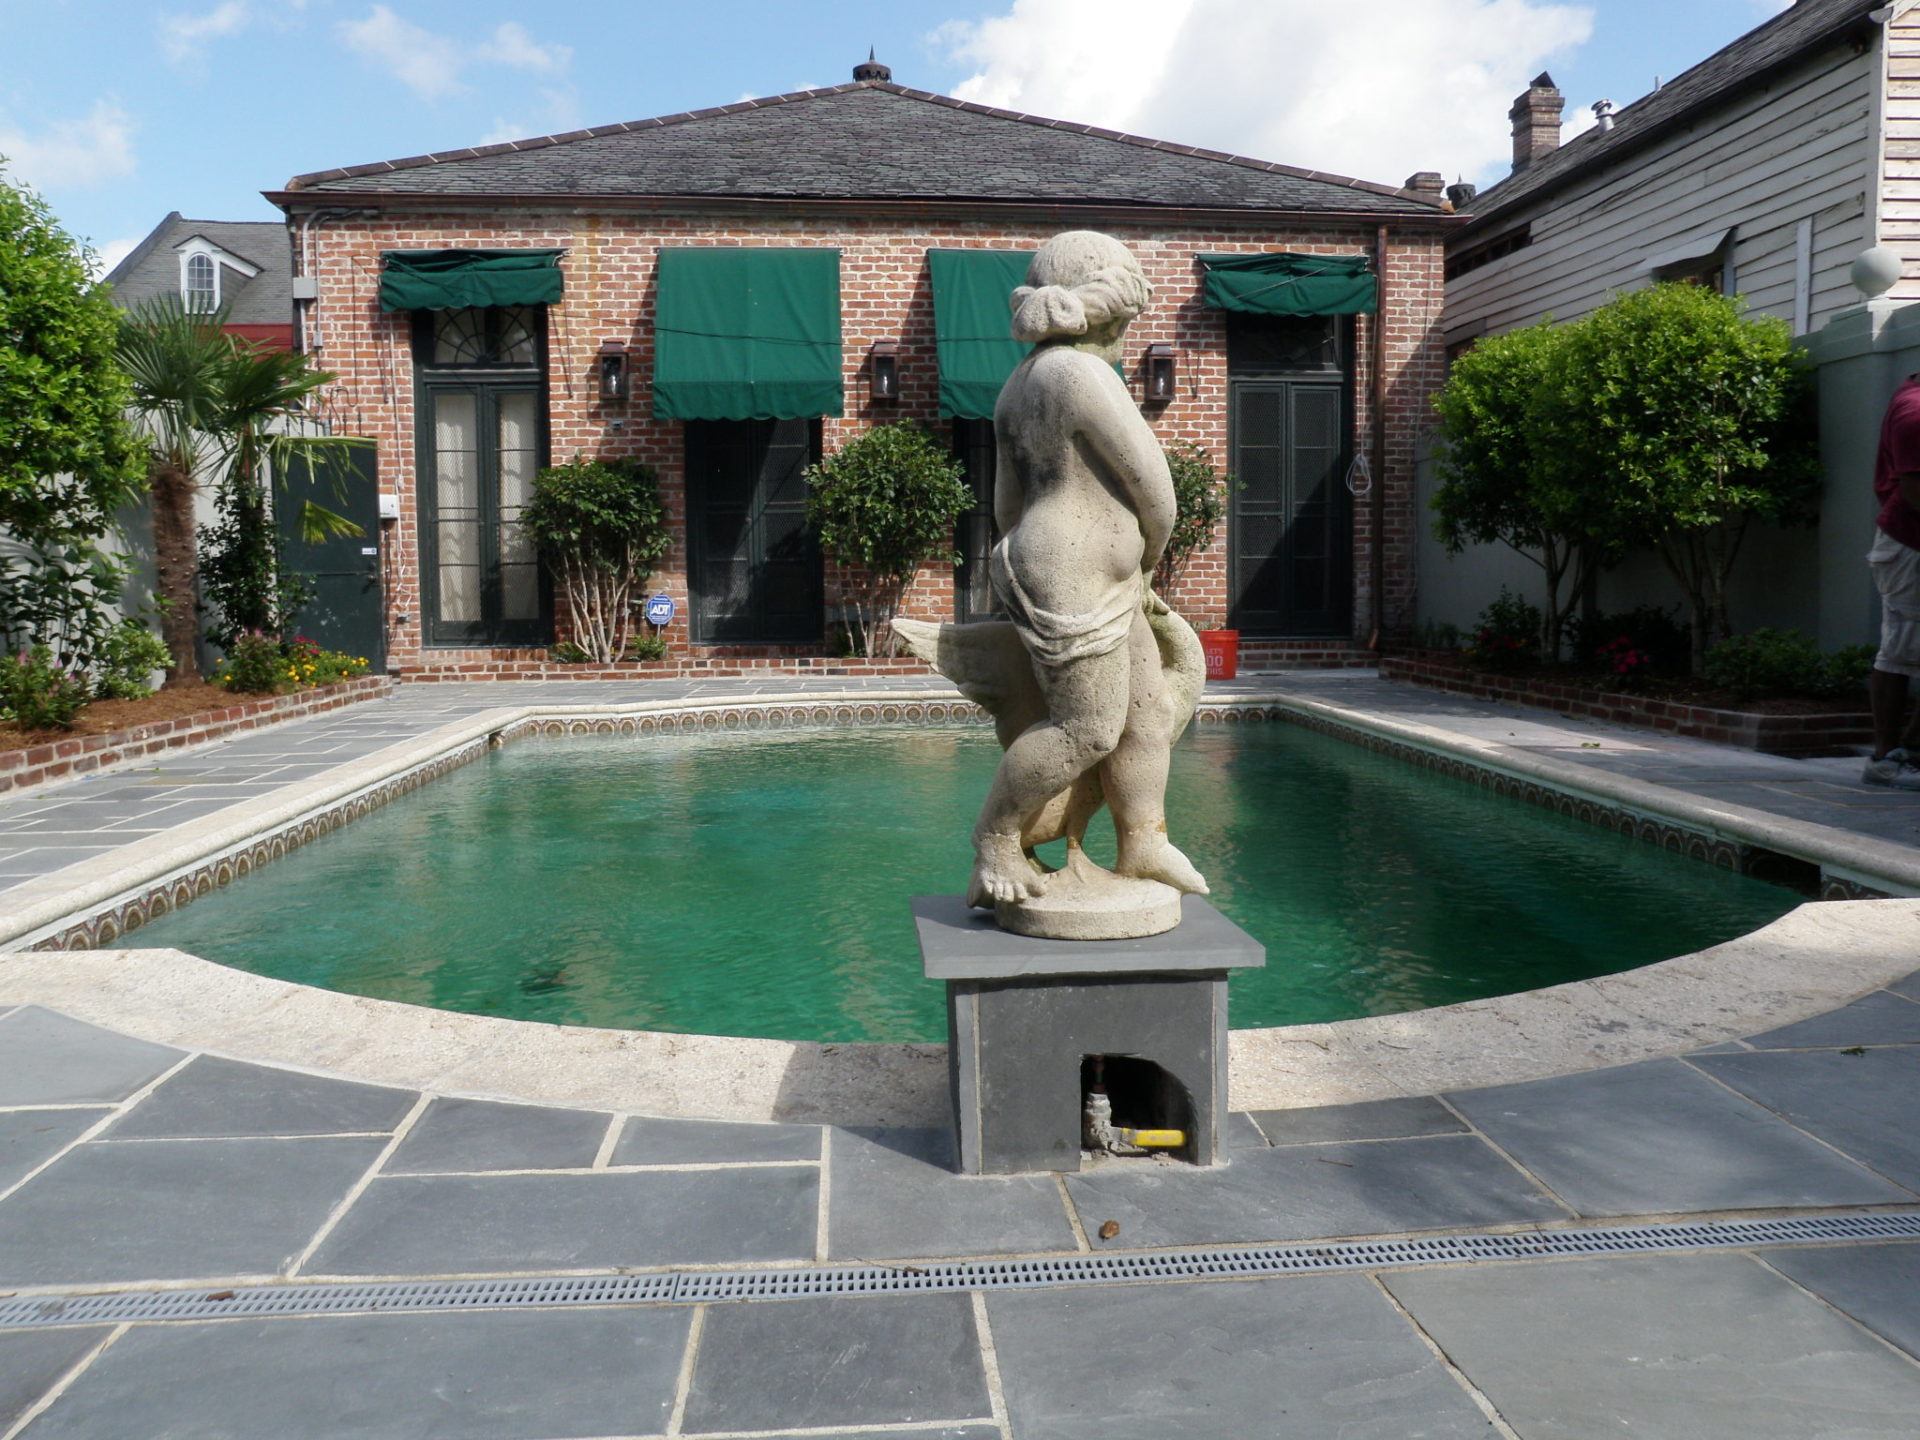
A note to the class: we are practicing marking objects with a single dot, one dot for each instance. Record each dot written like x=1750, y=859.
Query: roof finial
x=871, y=69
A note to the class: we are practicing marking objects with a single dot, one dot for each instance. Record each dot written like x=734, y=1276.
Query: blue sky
x=119, y=112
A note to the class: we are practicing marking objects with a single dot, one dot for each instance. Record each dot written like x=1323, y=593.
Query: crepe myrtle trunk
x=177, y=573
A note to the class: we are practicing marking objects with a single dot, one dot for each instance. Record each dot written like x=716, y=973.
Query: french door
x=481, y=576
x=753, y=570
x=1290, y=525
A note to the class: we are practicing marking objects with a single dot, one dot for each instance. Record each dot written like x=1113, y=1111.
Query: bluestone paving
x=28, y=1138
x=1882, y=1018
x=645, y=1140
x=1683, y=1347
x=1659, y=1137
x=1315, y=1357
x=894, y=1195
x=1878, y=1285
x=505, y=1376
x=32, y=1362
x=1909, y=987
x=453, y=1134
x=832, y=1361
x=1867, y=1104
x=48, y=1059
x=1301, y=1192
x=175, y=1209
x=487, y=1224
x=213, y=1097
x=1369, y=1120
x=1242, y=1133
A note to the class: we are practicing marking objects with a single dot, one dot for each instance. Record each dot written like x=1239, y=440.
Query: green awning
x=1287, y=284
x=459, y=279
x=973, y=326
x=747, y=334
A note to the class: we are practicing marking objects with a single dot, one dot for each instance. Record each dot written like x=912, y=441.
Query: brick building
x=726, y=294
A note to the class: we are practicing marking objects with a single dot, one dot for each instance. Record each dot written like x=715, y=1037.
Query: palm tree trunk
x=177, y=573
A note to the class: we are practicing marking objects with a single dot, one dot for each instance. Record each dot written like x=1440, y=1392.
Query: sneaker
x=1895, y=770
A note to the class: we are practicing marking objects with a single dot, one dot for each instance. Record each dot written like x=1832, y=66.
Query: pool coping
x=1811, y=960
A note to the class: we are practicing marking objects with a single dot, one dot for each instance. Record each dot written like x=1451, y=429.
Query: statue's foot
x=1002, y=871
x=1157, y=859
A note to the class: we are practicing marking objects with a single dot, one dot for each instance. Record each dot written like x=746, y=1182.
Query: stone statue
x=1092, y=677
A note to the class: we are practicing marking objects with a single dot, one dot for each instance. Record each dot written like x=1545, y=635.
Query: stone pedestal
x=1023, y=1014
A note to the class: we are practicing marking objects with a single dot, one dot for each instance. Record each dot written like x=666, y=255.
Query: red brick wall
x=885, y=295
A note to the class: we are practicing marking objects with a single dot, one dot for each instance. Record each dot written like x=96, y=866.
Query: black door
x=481, y=444
x=1292, y=515
x=974, y=531
x=345, y=612
x=753, y=570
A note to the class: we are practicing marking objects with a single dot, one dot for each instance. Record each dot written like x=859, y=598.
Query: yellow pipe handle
x=1154, y=1139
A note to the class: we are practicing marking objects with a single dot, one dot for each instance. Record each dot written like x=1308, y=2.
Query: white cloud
x=434, y=66
x=68, y=154
x=426, y=63
x=184, y=38
x=561, y=114
x=112, y=253
x=1327, y=87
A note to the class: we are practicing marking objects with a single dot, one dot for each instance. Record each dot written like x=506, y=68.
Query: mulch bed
x=106, y=717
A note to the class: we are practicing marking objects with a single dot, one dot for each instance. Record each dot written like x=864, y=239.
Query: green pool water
x=758, y=884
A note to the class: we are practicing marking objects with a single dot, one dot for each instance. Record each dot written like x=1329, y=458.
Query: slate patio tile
x=1243, y=1133
x=1368, y=1120
x=453, y=1134
x=1867, y=1105
x=459, y=1224
x=1684, y=1347
x=211, y=1097
x=943, y=1432
x=31, y=1361
x=647, y=1140
x=893, y=1195
x=796, y=1364
x=1657, y=1137
x=48, y=1059
x=1300, y=1192
x=1876, y=1019
x=175, y=1209
x=27, y=1137
x=1878, y=1285
x=1909, y=987
x=1323, y=1356
x=501, y=1376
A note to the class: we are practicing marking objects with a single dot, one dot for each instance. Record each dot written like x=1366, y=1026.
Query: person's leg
x=1887, y=698
x=1135, y=775
x=1087, y=708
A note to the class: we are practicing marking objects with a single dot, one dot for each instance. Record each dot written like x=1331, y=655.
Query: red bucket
x=1222, y=648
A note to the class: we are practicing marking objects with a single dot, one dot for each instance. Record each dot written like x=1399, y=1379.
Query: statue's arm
x=1123, y=443
x=1008, y=498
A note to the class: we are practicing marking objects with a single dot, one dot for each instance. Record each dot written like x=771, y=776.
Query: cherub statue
x=1092, y=677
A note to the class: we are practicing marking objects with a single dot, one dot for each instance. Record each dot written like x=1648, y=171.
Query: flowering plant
x=1624, y=658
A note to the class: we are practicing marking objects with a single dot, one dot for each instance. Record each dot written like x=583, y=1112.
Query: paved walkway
x=126, y=1165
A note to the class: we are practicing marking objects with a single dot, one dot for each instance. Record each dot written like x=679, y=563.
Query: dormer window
x=200, y=285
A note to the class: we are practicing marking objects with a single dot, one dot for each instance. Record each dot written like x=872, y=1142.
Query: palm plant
x=209, y=405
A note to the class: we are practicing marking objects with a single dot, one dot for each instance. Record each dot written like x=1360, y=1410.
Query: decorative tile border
x=127, y=913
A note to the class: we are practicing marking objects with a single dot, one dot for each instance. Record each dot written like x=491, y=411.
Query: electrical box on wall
x=389, y=506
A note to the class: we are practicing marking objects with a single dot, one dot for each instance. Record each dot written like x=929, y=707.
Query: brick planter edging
x=1800, y=736
x=81, y=754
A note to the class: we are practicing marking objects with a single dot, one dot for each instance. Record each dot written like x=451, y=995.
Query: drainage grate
x=686, y=1288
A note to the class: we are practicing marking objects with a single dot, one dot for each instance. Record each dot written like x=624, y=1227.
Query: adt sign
x=659, y=610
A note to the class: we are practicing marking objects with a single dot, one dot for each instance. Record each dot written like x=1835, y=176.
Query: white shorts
x=1896, y=574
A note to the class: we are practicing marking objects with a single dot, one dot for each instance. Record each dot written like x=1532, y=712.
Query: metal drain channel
x=687, y=1288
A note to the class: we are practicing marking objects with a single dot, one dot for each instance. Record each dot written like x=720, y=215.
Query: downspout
x=308, y=338
x=1377, y=491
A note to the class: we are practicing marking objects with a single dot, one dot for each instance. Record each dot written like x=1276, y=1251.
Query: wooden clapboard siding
x=1900, y=168
x=1800, y=147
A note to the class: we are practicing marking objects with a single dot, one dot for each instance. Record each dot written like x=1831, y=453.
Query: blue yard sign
x=659, y=610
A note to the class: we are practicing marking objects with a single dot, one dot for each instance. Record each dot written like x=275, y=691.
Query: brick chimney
x=1536, y=121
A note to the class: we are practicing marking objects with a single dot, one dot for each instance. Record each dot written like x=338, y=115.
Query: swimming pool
x=757, y=884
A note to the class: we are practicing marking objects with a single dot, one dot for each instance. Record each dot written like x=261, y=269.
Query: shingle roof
x=863, y=141
x=152, y=268
x=1790, y=36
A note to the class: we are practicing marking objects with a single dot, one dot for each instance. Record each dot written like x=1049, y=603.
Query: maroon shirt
x=1899, y=455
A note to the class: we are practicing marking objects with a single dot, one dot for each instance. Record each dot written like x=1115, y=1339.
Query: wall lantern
x=883, y=370
x=1159, y=371
x=612, y=362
